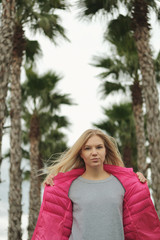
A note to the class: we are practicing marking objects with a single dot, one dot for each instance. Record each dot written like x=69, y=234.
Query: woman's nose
x=94, y=151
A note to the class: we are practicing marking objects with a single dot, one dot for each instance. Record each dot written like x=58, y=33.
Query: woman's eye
x=87, y=148
x=99, y=147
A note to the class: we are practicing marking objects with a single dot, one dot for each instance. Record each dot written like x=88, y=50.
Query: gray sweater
x=97, y=209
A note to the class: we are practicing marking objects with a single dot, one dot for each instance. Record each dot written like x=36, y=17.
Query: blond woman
x=92, y=196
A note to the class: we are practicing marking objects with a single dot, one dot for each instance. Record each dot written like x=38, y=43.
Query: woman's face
x=93, y=152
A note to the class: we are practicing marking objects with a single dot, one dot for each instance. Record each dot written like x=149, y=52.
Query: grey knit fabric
x=97, y=209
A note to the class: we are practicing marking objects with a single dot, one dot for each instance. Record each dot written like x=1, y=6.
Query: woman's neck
x=95, y=174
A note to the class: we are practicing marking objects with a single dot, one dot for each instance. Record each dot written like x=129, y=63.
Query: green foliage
x=47, y=5
x=121, y=69
x=33, y=51
x=111, y=65
x=41, y=16
x=25, y=175
x=110, y=87
x=53, y=143
x=41, y=90
x=49, y=26
x=119, y=32
x=115, y=74
x=92, y=7
x=120, y=35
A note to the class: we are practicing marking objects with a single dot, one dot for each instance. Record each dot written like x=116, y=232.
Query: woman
x=95, y=197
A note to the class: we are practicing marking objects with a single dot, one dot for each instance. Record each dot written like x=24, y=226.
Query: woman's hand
x=141, y=177
x=49, y=180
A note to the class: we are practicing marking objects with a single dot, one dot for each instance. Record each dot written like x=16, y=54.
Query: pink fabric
x=140, y=219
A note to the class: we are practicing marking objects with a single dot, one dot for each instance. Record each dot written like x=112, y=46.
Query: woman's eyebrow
x=100, y=144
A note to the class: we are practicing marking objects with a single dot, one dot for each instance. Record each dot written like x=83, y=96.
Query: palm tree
x=39, y=16
x=6, y=39
x=119, y=123
x=123, y=67
x=40, y=93
x=139, y=12
x=141, y=35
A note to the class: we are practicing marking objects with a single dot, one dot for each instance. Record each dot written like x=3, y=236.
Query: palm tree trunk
x=35, y=186
x=139, y=124
x=15, y=210
x=6, y=45
x=15, y=195
x=127, y=155
x=141, y=33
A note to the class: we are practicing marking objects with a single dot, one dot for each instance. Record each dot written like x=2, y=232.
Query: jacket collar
x=79, y=171
x=125, y=175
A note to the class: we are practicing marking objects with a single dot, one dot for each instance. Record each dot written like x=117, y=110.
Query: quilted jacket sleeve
x=142, y=213
x=50, y=220
x=140, y=218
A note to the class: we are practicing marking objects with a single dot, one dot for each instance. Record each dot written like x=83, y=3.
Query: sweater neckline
x=95, y=181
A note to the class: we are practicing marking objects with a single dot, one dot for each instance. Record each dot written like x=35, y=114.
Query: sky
x=71, y=60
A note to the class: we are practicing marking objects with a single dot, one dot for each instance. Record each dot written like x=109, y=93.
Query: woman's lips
x=94, y=159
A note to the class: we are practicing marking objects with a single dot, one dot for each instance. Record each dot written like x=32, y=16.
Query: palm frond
x=119, y=34
x=41, y=16
x=33, y=50
x=49, y=25
x=107, y=126
x=110, y=87
x=92, y=7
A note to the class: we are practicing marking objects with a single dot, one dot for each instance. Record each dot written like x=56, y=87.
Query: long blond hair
x=71, y=158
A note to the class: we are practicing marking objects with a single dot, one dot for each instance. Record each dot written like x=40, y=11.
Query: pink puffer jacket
x=140, y=219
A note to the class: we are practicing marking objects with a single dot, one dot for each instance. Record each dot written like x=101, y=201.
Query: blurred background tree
x=6, y=45
x=41, y=103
